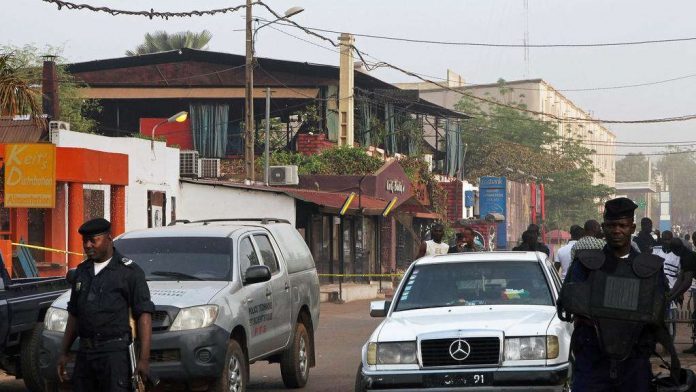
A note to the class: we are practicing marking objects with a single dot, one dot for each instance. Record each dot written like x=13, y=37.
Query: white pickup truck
x=472, y=322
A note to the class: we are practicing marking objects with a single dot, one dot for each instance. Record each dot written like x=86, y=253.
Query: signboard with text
x=30, y=176
x=493, y=199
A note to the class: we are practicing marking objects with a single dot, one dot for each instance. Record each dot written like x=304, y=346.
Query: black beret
x=95, y=227
x=621, y=207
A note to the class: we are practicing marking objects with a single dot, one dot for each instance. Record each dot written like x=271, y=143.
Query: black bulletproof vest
x=622, y=302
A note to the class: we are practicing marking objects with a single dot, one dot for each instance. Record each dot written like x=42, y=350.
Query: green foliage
x=73, y=109
x=678, y=169
x=334, y=161
x=17, y=95
x=633, y=167
x=161, y=41
x=503, y=141
x=417, y=171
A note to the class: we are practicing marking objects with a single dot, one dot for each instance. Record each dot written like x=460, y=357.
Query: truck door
x=257, y=300
x=281, y=324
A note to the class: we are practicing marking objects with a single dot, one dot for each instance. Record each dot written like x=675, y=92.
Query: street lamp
x=179, y=117
x=249, y=85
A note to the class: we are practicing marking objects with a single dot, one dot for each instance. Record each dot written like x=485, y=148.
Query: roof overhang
x=638, y=187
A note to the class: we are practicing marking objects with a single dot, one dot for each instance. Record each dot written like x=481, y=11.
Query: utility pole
x=249, y=98
x=267, y=155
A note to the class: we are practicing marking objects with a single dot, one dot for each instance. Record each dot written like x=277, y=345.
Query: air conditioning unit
x=209, y=167
x=189, y=164
x=283, y=175
x=54, y=128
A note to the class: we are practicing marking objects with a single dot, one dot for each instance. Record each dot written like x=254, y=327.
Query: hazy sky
x=86, y=35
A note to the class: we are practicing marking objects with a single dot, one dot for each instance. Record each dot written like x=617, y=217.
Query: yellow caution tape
x=47, y=249
x=362, y=275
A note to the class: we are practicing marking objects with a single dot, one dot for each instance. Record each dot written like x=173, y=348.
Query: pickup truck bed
x=23, y=304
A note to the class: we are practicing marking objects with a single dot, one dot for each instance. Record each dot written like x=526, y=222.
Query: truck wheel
x=235, y=373
x=29, y=359
x=294, y=364
x=359, y=385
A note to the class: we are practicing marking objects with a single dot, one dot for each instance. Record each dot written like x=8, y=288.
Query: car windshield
x=474, y=283
x=180, y=258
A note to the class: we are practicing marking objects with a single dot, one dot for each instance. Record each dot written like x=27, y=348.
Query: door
x=257, y=301
x=281, y=324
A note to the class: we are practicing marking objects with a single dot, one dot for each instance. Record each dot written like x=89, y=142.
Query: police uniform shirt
x=101, y=302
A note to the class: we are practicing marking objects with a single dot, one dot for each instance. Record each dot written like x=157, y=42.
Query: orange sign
x=30, y=175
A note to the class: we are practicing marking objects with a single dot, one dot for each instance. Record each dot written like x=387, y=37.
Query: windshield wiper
x=175, y=275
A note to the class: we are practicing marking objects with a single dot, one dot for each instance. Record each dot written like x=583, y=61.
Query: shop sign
x=396, y=186
x=30, y=175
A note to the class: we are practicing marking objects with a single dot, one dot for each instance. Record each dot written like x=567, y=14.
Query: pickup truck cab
x=227, y=293
x=473, y=322
x=23, y=304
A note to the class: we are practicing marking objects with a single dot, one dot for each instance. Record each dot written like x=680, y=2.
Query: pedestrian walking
x=562, y=257
x=541, y=247
x=530, y=243
x=645, y=239
x=107, y=288
x=687, y=242
x=591, y=240
x=465, y=242
x=615, y=333
x=434, y=246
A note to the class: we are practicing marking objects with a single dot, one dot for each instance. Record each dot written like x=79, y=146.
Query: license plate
x=458, y=380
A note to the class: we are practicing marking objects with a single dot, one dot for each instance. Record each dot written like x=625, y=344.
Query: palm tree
x=161, y=41
x=17, y=94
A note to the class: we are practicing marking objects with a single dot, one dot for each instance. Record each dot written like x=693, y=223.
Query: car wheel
x=29, y=359
x=294, y=364
x=235, y=373
x=359, y=384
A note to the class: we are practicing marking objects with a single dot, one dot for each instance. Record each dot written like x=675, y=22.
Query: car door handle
x=287, y=286
x=268, y=293
x=250, y=300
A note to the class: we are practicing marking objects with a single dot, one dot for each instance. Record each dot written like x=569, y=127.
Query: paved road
x=342, y=331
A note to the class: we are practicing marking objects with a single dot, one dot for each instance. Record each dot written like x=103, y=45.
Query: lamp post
x=179, y=117
x=249, y=86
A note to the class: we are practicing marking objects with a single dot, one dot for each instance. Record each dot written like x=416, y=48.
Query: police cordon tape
x=47, y=249
x=362, y=275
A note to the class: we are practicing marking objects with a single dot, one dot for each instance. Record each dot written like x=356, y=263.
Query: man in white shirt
x=435, y=246
x=562, y=257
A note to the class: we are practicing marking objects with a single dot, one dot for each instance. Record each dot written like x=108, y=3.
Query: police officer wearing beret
x=617, y=298
x=106, y=289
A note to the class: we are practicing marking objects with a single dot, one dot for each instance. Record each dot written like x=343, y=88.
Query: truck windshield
x=180, y=258
x=474, y=283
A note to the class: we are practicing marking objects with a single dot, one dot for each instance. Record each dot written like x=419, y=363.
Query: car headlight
x=391, y=353
x=56, y=319
x=194, y=318
x=531, y=347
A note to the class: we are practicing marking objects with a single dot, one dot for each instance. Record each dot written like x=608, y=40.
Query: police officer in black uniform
x=617, y=298
x=106, y=289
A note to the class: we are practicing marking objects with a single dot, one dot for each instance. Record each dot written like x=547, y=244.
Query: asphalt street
x=342, y=331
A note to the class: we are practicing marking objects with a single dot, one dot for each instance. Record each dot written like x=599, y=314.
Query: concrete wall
x=206, y=201
x=148, y=170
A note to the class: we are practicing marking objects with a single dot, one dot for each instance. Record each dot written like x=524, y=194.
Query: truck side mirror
x=379, y=308
x=71, y=276
x=257, y=274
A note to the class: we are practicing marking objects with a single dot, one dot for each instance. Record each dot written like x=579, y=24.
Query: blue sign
x=665, y=225
x=468, y=199
x=493, y=199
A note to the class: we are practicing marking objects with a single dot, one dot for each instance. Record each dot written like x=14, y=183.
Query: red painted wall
x=175, y=133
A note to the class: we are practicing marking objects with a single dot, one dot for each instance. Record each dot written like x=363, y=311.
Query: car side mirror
x=257, y=274
x=71, y=276
x=379, y=308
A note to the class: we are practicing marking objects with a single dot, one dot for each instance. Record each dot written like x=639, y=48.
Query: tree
x=161, y=41
x=632, y=168
x=17, y=95
x=26, y=64
x=678, y=167
x=503, y=141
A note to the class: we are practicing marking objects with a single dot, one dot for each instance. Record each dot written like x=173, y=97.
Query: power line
x=150, y=14
x=505, y=45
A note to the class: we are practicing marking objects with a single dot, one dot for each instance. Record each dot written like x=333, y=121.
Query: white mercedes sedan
x=470, y=322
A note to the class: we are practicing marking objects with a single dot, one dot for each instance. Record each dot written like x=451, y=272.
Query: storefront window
x=36, y=232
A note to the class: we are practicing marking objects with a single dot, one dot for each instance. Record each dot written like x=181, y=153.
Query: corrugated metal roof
x=20, y=131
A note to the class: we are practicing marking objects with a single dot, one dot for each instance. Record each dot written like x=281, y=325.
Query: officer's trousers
x=592, y=369
x=107, y=371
